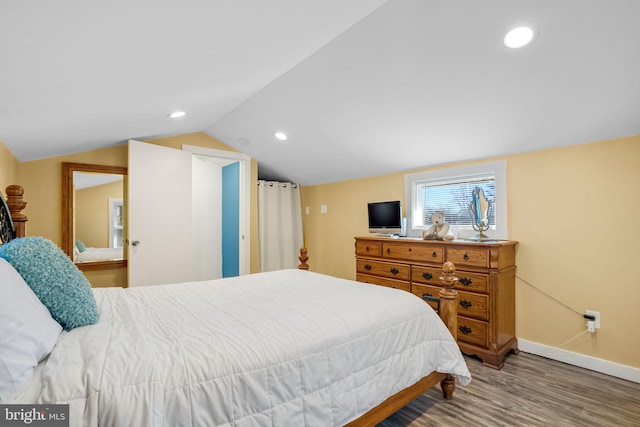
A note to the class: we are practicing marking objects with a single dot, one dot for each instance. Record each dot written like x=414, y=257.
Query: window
x=450, y=190
x=116, y=223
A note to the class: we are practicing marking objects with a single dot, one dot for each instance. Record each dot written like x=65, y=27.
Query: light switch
x=323, y=208
x=306, y=210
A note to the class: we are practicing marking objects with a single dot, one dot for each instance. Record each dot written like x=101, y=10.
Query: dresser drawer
x=427, y=275
x=413, y=252
x=472, y=331
x=472, y=282
x=476, y=257
x=368, y=248
x=473, y=305
x=382, y=281
x=469, y=304
x=466, y=281
x=385, y=269
x=426, y=290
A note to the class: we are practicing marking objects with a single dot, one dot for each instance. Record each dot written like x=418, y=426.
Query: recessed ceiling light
x=177, y=114
x=519, y=36
x=281, y=136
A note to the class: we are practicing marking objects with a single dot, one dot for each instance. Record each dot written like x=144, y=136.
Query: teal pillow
x=55, y=280
x=81, y=246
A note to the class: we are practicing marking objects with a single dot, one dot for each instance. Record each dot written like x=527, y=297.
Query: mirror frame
x=67, y=211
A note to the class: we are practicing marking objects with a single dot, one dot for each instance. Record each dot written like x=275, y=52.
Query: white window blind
x=453, y=197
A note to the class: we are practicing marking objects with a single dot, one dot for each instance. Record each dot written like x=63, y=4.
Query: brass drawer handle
x=465, y=281
x=394, y=271
x=427, y=276
x=465, y=257
x=367, y=267
x=465, y=329
x=388, y=250
x=465, y=303
x=434, y=254
x=426, y=295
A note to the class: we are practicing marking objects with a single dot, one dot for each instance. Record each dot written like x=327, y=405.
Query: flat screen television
x=386, y=218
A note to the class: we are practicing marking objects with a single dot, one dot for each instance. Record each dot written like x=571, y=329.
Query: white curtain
x=280, y=225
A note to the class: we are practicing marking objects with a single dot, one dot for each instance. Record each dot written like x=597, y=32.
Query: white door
x=159, y=214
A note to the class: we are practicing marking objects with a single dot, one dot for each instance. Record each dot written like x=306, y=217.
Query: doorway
x=235, y=210
x=166, y=246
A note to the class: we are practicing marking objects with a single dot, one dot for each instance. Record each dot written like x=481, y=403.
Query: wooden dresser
x=486, y=286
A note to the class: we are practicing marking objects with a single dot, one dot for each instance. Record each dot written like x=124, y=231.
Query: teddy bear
x=439, y=229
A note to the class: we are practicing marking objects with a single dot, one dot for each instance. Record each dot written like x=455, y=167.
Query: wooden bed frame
x=447, y=311
x=448, y=314
x=17, y=227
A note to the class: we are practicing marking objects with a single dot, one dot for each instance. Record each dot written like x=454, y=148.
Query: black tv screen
x=385, y=217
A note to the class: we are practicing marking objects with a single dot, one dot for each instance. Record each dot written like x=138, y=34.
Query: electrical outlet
x=595, y=314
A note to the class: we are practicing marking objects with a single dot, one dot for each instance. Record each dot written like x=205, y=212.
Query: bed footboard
x=448, y=313
x=12, y=220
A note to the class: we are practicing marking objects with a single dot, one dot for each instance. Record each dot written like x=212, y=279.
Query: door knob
x=135, y=242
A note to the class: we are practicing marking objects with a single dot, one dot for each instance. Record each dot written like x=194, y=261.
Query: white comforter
x=287, y=348
x=99, y=254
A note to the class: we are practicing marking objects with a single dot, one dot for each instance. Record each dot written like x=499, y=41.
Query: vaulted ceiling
x=360, y=87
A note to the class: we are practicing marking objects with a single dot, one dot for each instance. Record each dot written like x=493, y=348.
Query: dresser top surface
x=458, y=242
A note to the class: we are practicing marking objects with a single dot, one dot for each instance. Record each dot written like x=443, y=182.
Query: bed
x=91, y=254
x=290, y=347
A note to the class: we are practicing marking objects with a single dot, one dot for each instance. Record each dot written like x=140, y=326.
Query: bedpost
x=16, y=204
x=303, y=259
x=449, y=315
x=448, y=296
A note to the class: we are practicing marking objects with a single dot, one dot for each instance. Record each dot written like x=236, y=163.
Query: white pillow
x=27, y=332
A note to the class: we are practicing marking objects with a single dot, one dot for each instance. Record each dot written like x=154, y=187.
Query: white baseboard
x=599, y=365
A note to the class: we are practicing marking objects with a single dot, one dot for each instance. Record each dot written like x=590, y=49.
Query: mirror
x=93, y=215
x=479, y=208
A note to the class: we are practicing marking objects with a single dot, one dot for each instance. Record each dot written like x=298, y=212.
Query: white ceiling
x=361, y=87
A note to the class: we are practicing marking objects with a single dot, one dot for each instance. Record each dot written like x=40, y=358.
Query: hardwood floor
x=529, y=391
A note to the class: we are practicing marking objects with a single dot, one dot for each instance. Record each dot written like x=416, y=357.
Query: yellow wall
x=8, y=168
x=573, y=211
x=199, y=139
x=42, y=180
x=92, y=213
